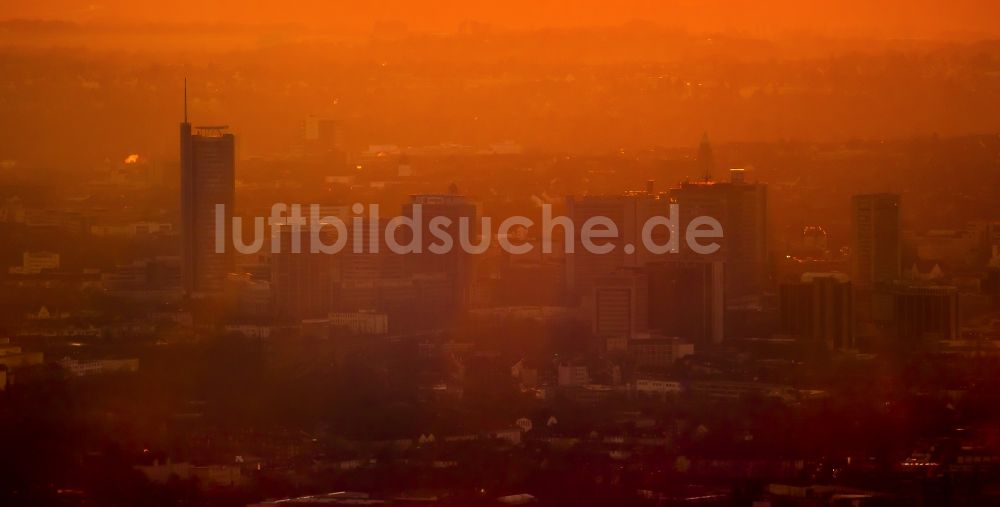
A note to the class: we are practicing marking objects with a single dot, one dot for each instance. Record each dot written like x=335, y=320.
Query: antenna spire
x=185, y=100
x=706, y=162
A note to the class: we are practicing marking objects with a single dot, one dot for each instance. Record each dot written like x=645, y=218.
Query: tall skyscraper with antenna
x=208, y=179
x=741, y=207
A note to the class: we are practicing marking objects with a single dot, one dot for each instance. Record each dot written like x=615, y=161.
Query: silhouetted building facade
x=208, y=179
x=629, y=212
x=324, y=138
x=687, y=299
x=620, y=305
x=875, y=241
x=918, y=314
x=456, y=263
x=741, y=209
x=302, y=281
x=819, y=308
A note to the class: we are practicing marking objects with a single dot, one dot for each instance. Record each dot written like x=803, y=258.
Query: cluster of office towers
x=428, y=288
x=626, y=293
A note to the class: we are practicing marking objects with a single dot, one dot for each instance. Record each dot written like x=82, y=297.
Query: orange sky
x=587, y=89
x=964, y=19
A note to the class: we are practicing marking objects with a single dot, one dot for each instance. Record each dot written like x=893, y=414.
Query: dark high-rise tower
x=456, y=263
x=629, y=212
x=875, y=239
x=819, y=308
x=741, y=208
x=687, y=299
x=302, y=280
x=208, y=178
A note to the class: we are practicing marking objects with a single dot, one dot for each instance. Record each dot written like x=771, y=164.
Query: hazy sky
x=866, y=18
x=588, y=89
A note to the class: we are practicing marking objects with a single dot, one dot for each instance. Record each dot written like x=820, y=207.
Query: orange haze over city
x=460, y=253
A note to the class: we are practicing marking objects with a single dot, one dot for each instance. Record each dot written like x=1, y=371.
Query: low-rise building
x=12, y=357
x=84, y=367
x=362, y=322
x=33, y=263
x=658, y=351
x=573, y=375
x=657, y=387
x=214, y=475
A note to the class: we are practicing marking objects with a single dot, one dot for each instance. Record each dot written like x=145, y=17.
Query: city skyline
x=634, y=255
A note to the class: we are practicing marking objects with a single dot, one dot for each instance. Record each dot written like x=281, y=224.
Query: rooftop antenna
x=185, y=100
x=706, y=161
